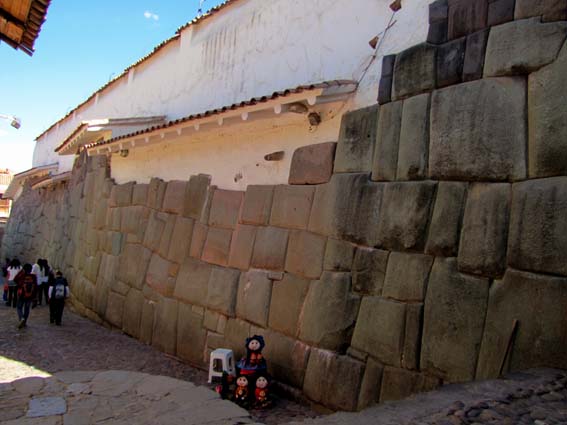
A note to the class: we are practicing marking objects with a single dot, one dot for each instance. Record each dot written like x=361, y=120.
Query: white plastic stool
x=222, y=360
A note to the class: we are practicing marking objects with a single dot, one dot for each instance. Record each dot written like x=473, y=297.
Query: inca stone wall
x=395, y=264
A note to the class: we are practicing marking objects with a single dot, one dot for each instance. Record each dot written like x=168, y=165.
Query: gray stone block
x=160, y=276
x=478, y=131
x=312, y=164
x=174, y=198
x=257, y=205
x=235, y=335
x=133, y=307
x=225, y=208
x=371, y=383
x=521, y=47
x=305, y=254
x=466, y=17
x=166, y=235
x=288, y=296
x=338, y=255
x=415, y=71
x=385, y=160
x=500, y=12
x=405, y=215
x=193, y=282
x=197, y=192
x=121, y=195
x=412, y=339
x=547, y=116
x=450, y=62
x=180, y=239
x=549, y=10
x=154, y=230
x=369, y=270
x=140, y=194
x=357, y=137
x=115, y=309
x=222, y=289
x=198, y=240
x=329, y=312
x=253, y=298
x=217, y=246
x=414, y=139
x=292, y=206
x=398, y=384
x=438, y=22
x=191, y=336
x=288, y=358
x=270, y=248
x=242, y=246
x=156, y=193
x=327, y=384
x=164, y=335
x=406, y=276
x=455, y=310
x=474, y=55
x=538, y=226
x=386, y=79
x=485, y=230
x=540, y=340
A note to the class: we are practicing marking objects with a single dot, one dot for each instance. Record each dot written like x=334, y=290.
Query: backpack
x=59, y=290
x=28, y=287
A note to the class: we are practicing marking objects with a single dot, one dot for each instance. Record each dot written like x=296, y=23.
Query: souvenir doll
x=261, y=396
x=241, y=392
x=254, y=362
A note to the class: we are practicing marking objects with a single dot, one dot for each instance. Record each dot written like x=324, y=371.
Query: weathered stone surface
x=166, y=235
x=329, y=311
x=45, y=407
x=221, y=294
x=450, y=62
x=466, y=17
x=130, y=219
x=547, y=116
x=500, y=12
x=147, y=321
x=305, y=254
x=291, y=207
x=326, y=383
x=133, y=306
x=115, y=309
x=312, y=164
x=253, y=298
x=398, y=384
x=180, y=239
x=236, y=333
x=412, y=339
x=211, y=321
x=371, y=383
x=288, y=358
x=438, y=22
x=164, y=335
x=385, y=160
x=455, y=310
x=386, y=79
x=414, y=71
x=521, y=47
x=474, y=56
x=140, y=194
x=369, y=270
x=357, y=136
x=538, y=226
x=225, y=208
x=257, y=205
x=156, y=193
x=380, y=329
x=191, y=336
x=540, y=338
x=348, y=207
x=160, y=276
x=485, y=229
x=206, y=208
x=405, y=214
x=195, y=199
x=414, y=139
x=444, y=230
x=549, y=10
x=270, y=248
x=154, y=231
x=242, y=246
x=217, y=246
x=121, y=195
x=288, y=296
x=174, y=198
x=406, y=276
x=193, y=282
x=198, y=240
x=338, y=255
x=478, y=131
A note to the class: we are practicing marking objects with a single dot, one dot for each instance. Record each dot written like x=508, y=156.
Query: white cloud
x=150, y=15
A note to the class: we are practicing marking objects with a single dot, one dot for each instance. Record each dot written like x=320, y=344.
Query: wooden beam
x=12, y=19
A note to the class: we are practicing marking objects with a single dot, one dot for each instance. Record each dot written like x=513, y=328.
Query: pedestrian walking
x=42, y=271
x=13, y=270
x=27, y=289
x=5, y=280
x=58, y=292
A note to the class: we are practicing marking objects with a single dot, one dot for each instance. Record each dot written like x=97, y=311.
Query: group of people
x=25, y=287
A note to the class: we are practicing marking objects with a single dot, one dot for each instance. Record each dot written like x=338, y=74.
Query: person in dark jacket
x=58, y=291
x=27, y=291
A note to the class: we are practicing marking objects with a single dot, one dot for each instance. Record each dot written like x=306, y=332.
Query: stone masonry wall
x=395, y=264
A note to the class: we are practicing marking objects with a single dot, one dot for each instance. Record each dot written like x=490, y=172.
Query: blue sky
x=81, y=46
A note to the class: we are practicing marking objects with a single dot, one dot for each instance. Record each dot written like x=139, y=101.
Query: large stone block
x=444, y=230
x=291, y=207
x=475, y=53
x=405, y=213
x=312, y=164
x=357, y=136
x=174, y=198
x=180, y=239
x=540, y=339
x=242, y=246
x=549, y=10
x=257, y=205
x=217, y=246
x=235, y=333
x=130, y=219
x=398, y=384
x=412, y=339
x=385, y=162
x=415, y=71
x=438, y=22
x=521, y=47
x=196, y=197
x=485, y=229
x=121, y=195
x=133, y=307
x=287, y=357
x=478, y=131
x=193, y=282
x=198, y=240
x=270, y=248
x=305, y=254
x=225, y=208
x=156, y=193
x=406, y=276
x=371, y=383
x=115, y=309
x=134, y=264
x=547, y=117
x=288, y=296
x=338, y=256
x=386, y=79
x=454, y=314
x=414, y=139
x=500, y=12
x=450, y=62
x=538, y=226
x=160, y=276
x=191, y=335
x=380, y=329
x=140, y=194
x=348, y=207
x=466, y=17
x=222, y=289
x=369, y=270
x=164, y=335
x=326, y=383
x=329, y=312
x=154, y=231
x=167, y=235
x=253, y=298
x=147, y=321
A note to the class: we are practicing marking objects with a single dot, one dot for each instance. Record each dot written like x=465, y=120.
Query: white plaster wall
x=252, y=48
